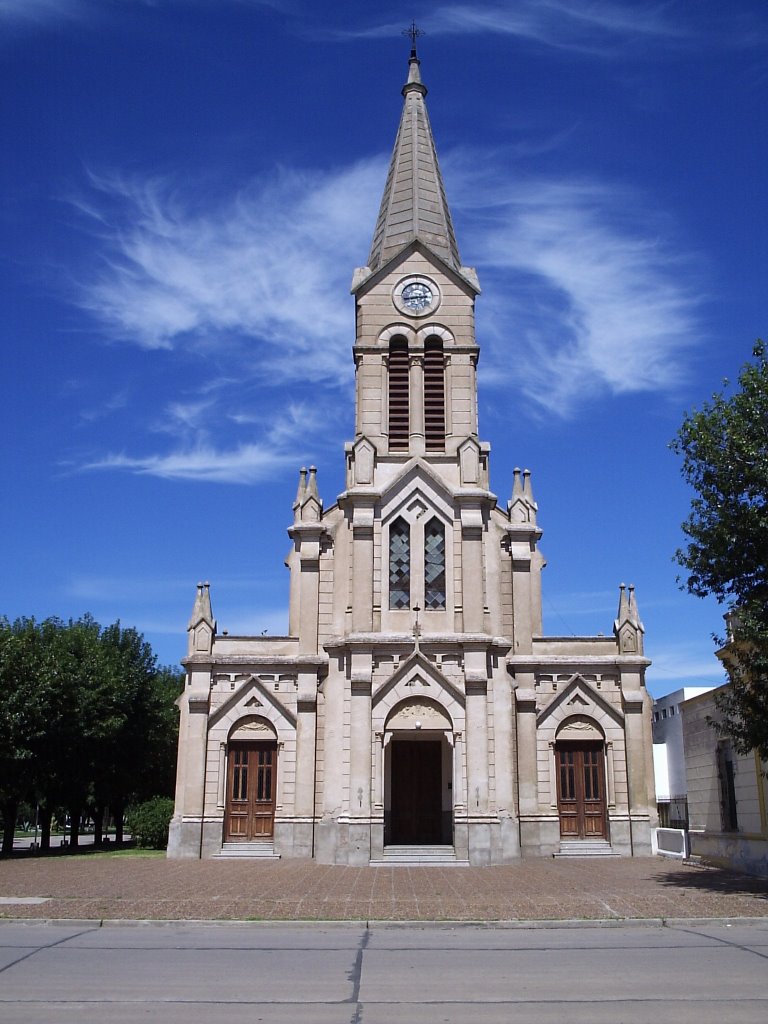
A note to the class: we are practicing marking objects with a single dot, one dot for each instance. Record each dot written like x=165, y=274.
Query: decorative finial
x=416, y=628
x=414, y=32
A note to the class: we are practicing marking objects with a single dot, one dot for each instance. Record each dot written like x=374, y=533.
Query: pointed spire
x=312, y=485
x=414, y=203
x=634, y=615
x=528, y=489
x=302, y=488
x=627, y=627
x=517, y=486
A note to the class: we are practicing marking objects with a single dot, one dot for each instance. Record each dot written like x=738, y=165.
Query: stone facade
x=415, y=705
x=727, y=793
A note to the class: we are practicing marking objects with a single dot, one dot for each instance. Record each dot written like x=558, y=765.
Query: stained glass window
x=434, y=565
x=399, y=564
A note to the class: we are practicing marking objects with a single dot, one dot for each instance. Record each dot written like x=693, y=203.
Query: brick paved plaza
x=138, y=888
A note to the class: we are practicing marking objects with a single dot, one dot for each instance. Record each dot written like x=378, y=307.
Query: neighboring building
x=727, y=793
x=669, y=757
x=415, y=710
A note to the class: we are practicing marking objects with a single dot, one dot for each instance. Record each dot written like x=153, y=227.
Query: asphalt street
x=383, y=974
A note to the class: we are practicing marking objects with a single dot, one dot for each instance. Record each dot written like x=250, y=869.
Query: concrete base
x=184, y=840
x=359, y=849
x=539, y=837
x=729, y=850
x=213, y=837
x=293, y=839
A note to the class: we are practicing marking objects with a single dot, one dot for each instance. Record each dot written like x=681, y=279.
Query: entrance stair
x=256, y=849
x=419, y=856
x=585, y=848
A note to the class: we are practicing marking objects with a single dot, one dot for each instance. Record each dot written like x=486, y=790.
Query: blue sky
x=185, y=190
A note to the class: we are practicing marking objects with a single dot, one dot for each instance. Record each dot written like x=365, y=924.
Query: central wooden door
x=251, y=789
x=416, y=792
x=581, y=790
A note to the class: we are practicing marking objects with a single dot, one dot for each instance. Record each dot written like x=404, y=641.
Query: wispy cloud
x=42, y=12
x=598, y=28
x=268, y=263
x=586, y=290
x=685, y=662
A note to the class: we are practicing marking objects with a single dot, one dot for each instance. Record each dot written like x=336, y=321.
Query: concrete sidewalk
x=151, y=888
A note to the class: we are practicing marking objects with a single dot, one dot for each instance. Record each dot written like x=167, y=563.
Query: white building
x=416, y=709
x=669, y=756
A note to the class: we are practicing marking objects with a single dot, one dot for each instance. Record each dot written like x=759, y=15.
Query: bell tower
x=415, y=349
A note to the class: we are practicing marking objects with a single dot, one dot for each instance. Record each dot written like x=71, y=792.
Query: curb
x=384, y=925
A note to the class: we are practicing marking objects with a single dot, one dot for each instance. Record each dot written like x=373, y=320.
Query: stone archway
x=581, y=779
x=251, y=780
x=418, y=775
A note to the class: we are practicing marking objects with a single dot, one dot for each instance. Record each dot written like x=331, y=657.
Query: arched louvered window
x=399, y=564
x=434, y=395
x=434, y=565
x=399, y=419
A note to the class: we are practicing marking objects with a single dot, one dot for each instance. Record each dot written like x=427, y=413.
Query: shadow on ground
x=716, y=880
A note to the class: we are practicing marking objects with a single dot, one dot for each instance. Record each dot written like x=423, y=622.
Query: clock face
x=417, y=296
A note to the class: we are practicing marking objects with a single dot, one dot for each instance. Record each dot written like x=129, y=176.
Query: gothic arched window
x=434, y=565
x=399, y=418
x=434, y=395
x=399, y=564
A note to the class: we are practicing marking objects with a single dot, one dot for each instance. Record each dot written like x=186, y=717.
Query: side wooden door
x=581, y=790
x=251, y=791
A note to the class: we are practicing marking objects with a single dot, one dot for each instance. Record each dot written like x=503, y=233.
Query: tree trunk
x=118, y=807
x=74, y=826
x=10, y=810
x=45, y=816
x=98, y=826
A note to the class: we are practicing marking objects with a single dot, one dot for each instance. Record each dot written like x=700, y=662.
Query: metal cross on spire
x=414, y=32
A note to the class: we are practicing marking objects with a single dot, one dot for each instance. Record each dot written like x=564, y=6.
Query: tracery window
x=399, y=564
x=434, y=565
x=399, y=413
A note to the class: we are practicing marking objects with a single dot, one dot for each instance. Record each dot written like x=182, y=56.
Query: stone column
x=636, y=781
x=416, y=443
x=473, y=596
x=527, y=760
x=360, y=771
x=362, y=571
x=477, y=746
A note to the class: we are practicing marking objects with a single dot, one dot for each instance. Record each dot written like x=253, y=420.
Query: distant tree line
x=87, y=723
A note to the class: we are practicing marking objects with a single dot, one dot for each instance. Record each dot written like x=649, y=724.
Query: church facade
x=416, y=712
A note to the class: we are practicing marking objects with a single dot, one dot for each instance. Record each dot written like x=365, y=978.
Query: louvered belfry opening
x=434, y=395
x=399, y=419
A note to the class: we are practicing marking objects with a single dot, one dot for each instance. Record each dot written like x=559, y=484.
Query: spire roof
x=414, y=203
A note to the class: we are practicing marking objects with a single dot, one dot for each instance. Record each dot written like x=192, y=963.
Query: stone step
x=585, y=848
x=259, y=849
x=419, y=856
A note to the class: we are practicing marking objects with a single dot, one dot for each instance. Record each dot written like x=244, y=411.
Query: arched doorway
x=580, y=770
x=251, y=782
x=418, y=792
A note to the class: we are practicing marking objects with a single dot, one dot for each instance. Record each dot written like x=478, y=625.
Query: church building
x=416, y=712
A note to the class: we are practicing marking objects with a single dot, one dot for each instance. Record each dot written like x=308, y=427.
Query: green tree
x=724, y=446
x=87, y=719
x=29, y=695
